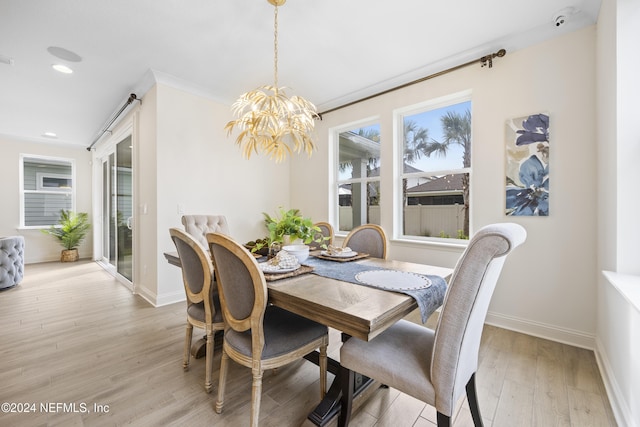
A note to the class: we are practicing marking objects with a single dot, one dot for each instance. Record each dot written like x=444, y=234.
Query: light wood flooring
x=71, y=337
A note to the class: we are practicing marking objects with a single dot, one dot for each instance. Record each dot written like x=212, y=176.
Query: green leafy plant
x=462, y=236
x=259, y=246
x=71, y=230
x=292, y=223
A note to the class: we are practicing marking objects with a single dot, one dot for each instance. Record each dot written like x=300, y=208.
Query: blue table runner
x=428, y=299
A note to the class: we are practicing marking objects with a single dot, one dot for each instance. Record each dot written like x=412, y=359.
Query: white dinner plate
x=340, y=255
x=275, y=269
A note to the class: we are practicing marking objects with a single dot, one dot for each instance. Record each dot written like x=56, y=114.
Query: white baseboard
x=542, y=330
x=166, y=299
x=619, y=405
x=160, y=300
x=146, y=294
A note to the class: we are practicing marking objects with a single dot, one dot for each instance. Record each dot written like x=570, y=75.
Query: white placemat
x=393, y=280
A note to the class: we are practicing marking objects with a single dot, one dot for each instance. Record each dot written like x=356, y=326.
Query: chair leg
x=224, y=364
x=256, y=396
x=323, y=370
x=443, y=420
x=208, y=361
x=187, y=347
x=346, y=383
x=472, y=398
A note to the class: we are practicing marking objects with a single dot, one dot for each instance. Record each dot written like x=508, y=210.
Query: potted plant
x=287, y=227
x=71, y=230
x=290, y=227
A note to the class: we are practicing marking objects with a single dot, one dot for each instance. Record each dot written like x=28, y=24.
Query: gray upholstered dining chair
x=203, y=303
x=367, y=238
x=436, y=366
x=199, y=225
x=258, y=335
x=326, y=232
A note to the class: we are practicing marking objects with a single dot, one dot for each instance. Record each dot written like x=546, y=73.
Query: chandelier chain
x=271, y=122
x=275, y=47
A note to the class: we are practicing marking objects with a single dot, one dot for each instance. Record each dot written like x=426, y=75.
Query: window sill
x=628, y=286
x=34, y=227
x=454, y=245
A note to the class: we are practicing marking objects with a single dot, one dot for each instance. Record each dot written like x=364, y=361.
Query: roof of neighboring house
x=451, y=182
x=345, y=189
x=407, y=169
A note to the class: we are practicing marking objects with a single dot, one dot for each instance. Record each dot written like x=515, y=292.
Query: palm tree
x=457, y=130
x=416, y=143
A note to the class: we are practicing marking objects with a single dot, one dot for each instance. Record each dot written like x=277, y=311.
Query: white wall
x=38, y=246
x=548, y=286
x=188, y=164
x=618, y=312
x=628, y=136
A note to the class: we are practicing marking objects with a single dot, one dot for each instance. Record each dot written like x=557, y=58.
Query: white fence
x=419, y=220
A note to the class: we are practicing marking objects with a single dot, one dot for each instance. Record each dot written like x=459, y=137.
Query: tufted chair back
x=199, y=225
x=11, y=261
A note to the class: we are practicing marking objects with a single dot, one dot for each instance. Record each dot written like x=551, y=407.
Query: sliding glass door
x=117, y=209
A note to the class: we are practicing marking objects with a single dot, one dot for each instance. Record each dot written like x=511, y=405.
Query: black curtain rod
x=486, y=60
x=131, y=98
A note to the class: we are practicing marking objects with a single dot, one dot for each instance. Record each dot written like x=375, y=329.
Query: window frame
x=40, y=189
x=334, y=168
x=40, y=179
x=399, y=175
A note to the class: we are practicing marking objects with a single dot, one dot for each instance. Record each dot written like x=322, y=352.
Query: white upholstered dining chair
x=437, y=366
x=199, y=225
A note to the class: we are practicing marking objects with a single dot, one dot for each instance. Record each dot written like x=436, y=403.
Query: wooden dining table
x=354, y=309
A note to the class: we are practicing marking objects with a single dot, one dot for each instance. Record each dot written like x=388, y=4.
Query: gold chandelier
x=271, y=122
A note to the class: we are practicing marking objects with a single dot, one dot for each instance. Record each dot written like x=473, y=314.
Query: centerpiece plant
x=288, y=227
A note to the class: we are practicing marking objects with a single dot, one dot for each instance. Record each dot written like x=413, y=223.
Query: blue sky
x=431, y=121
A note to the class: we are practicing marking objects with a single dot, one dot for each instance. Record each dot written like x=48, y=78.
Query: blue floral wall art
x=527, y=168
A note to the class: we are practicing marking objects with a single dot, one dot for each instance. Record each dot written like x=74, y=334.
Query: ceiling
x=330, y=51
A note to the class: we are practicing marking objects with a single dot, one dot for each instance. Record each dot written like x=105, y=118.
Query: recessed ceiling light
x=62, y=68
x=50, y=135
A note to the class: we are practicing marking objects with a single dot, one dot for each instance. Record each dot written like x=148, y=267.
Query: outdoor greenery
x=456, y=129
x=71, y=230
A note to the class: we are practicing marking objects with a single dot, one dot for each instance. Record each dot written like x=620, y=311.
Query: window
x=435, y=156
x=53, y=181
x=358, y=180
x=47, y=186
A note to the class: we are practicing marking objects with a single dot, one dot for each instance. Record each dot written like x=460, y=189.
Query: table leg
x=199, y=348
x=329, y=407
